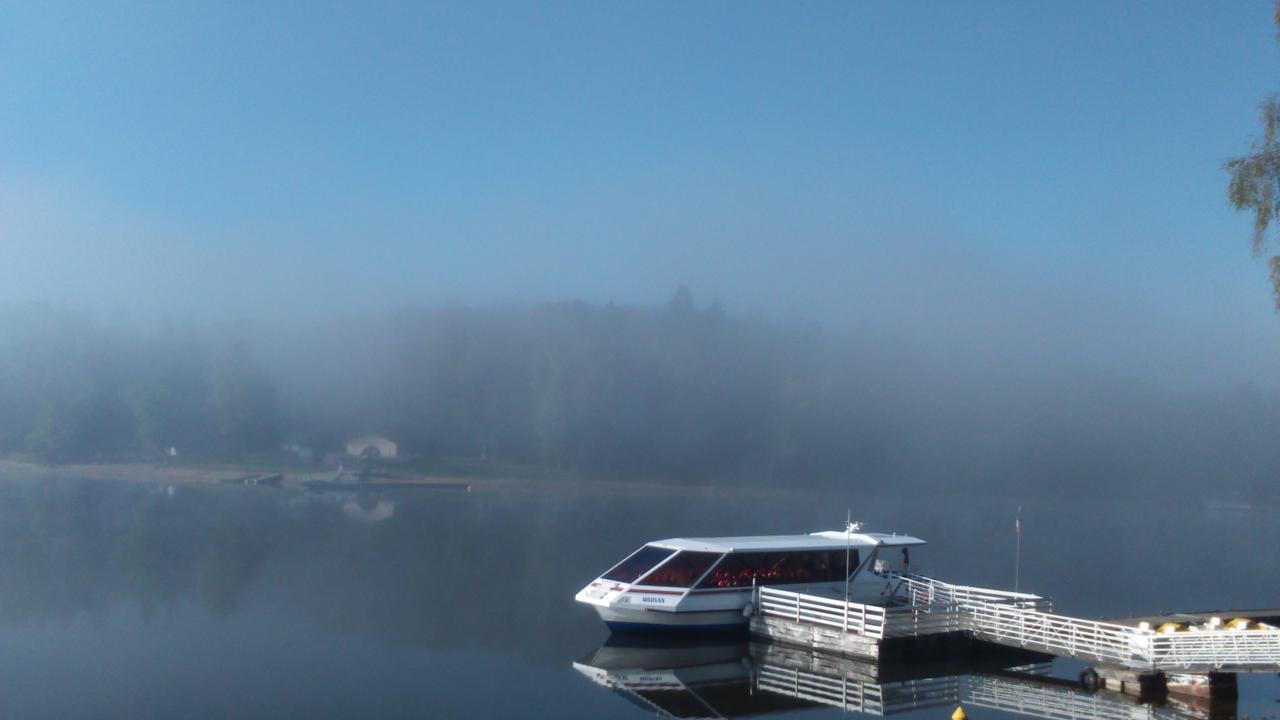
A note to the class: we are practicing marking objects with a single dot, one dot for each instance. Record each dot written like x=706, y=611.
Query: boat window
x=780, y=568
x=682, y=570
x=637, y=564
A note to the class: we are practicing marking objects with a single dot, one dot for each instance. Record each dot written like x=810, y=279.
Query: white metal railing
x=1059, y=634
x=851, y=617
x=1023, y=620
x=1245, y=649
x=923, y=590
x=915, y=620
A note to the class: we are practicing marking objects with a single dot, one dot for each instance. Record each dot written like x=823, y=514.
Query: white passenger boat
x=705, y=584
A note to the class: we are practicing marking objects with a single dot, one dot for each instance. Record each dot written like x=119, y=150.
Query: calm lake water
x=124, y=600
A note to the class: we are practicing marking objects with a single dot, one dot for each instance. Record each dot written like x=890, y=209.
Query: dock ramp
x=925, y=606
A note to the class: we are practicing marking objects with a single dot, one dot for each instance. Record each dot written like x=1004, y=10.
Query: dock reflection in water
x=729, y=677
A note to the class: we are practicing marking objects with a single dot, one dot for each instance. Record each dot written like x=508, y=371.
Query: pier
x=926, y=617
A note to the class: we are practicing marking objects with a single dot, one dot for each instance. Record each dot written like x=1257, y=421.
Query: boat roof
x=826, y=540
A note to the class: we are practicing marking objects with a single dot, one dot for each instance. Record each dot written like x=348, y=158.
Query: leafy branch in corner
x=1255, y=180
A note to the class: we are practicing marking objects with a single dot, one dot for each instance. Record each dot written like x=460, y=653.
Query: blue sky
x=1036, y=178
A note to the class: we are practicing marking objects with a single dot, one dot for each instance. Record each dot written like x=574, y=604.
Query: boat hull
x=641, y=620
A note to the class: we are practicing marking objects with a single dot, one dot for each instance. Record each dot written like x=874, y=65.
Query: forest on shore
x=673, y=393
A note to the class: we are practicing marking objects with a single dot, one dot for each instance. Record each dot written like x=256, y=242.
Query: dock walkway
x=1021, y=620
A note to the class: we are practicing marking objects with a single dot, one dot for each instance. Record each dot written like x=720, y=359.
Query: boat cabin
x=708, y=581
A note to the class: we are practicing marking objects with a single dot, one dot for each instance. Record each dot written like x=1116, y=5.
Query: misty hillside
x=677, y=393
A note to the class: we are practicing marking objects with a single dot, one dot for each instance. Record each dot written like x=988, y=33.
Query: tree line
x=75, y=389
x=674, y=393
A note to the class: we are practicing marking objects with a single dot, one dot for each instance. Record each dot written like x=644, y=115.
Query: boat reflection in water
x=683, y=677
x=721, y=677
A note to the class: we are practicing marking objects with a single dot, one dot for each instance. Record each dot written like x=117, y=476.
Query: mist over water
x=214, y=600
x=683, y=392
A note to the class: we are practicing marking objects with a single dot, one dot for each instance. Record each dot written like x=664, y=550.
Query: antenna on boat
x=848, y=530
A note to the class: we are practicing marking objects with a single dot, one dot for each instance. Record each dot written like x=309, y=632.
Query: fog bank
x=683, y=392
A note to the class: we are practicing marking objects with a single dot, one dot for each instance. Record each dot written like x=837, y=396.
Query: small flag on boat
x=1017, y=524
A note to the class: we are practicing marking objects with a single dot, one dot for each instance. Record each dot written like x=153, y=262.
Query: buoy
x=959, y=714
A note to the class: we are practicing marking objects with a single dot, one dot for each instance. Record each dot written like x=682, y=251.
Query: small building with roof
x=372, y=447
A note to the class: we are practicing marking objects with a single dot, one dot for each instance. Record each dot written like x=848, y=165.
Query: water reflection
x=720, y=677
x=693, y=679
x=411, y=600
x=500, y=569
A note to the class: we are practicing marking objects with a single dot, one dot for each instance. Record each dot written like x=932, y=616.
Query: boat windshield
x=682, y=570
x=637, y=564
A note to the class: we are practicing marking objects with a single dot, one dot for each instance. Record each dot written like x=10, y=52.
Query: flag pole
x=1017, y=561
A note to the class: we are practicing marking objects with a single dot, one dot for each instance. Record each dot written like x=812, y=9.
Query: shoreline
x=213, y=474
x=163, y=473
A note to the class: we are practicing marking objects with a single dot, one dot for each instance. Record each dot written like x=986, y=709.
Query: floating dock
x=926, y=617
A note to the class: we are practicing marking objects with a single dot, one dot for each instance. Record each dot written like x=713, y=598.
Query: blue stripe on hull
x=630, y=627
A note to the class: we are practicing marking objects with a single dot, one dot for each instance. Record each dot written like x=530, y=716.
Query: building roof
x=370, y=440
x=828, y=540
